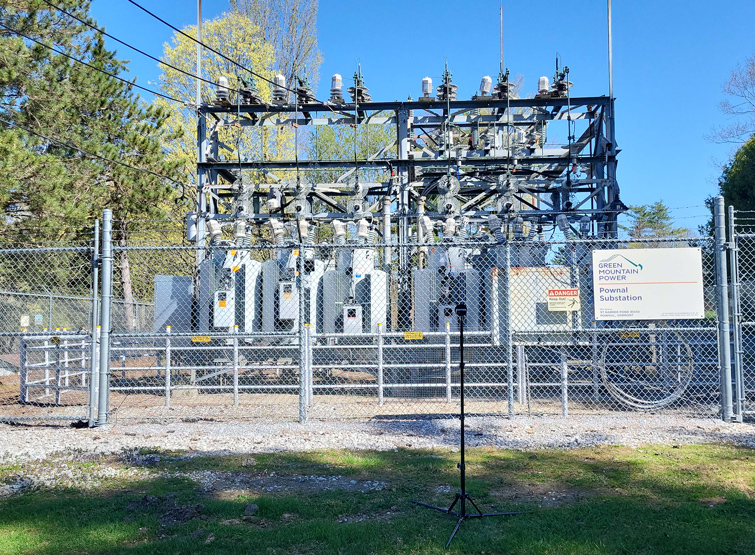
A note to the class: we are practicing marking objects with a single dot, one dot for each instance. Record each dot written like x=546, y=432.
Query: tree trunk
x=129, y=308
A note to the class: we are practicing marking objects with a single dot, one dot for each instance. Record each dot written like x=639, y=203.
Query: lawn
x=654, y=499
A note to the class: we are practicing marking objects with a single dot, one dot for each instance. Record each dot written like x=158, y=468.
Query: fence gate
x=742, y=263
x=48, y=319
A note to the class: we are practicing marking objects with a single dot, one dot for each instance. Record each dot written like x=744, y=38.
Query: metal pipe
x=380, y=364
x=448, y=362
x=564, y=386
x=736, y=314
x=107, y=296
x=302, y=347
x=724, y=336
x=95, y=333
x=236, y=367
x=610, y=52
x=199, y=53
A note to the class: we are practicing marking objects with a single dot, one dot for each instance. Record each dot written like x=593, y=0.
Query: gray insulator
x=373, y=236
x=340, y=240
x=311, y=234
x=499, y=236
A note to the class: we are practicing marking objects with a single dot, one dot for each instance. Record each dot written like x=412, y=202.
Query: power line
x=86, y=152
x=134, y=48
x=234, y=62
x=92, y=66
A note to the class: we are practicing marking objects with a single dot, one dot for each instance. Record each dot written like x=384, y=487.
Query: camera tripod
x=462, y=497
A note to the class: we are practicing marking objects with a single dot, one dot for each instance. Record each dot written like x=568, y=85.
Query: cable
x=86, y=152
x=135, y=49
x=19, y=33
x=234, y=62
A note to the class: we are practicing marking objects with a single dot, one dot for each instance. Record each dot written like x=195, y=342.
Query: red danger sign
x=561, y=293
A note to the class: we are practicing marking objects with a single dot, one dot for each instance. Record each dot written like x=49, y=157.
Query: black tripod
x=462, y=496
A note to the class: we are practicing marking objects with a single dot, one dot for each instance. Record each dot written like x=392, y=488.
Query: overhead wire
x=88, y=153
x=135, y=49
x=73, y=58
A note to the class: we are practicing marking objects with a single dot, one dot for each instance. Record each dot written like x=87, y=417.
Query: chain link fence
x=336, y=328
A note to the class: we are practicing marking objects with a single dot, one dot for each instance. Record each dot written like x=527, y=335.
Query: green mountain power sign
x=648, y=284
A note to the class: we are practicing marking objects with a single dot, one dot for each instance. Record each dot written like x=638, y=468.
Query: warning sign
x=560, y=300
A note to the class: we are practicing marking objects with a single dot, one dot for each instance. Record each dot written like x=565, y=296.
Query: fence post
x=24, y=392
x=57, y=371
x=509, y=335
x=564, y=386
x=47, y=366
x=724, y=337
x=93, y=380
x=520, y=374
x=380, y=364
x=106, y=305
x=310, y=371
x=302, y=346
x=448, y=362
x=66, y=362
x=736, y=315
x=235, y=366
x=167, y=366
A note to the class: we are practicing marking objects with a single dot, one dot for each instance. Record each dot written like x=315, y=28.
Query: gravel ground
x=23, y=443
x=38, y=457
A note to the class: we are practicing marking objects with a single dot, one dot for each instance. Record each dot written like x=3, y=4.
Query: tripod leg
x=458, y=523
x=474, y=505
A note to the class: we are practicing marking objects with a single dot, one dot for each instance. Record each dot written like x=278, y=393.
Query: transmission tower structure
x=405, y=173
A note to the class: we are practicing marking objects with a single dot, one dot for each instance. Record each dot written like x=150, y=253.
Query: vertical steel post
x=724, y=337
x=106, y=305
x=310, y=372
x=302, y=347
x=95, y=330
x=520, y=370
x=509, y=335
x=167, y=366
x=66, y=364
x=448, y=362
x=24, y=392
x=736, y=314
x=235, y=366
x=380, y=364
x=564, y=386
x=47, y=366
x=57, y=372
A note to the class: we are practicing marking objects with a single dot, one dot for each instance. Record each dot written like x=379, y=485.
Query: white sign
x=648, y=284
x=560, y=300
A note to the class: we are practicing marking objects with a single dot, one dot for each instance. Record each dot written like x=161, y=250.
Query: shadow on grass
x=652, y=500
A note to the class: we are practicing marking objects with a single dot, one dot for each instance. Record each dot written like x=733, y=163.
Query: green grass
x=655, y=499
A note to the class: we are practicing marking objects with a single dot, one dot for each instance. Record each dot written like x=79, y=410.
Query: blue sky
x=671, y=58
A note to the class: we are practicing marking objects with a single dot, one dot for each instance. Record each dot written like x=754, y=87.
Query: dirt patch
x=170, y=512
x=231, y=485
x=544, y=494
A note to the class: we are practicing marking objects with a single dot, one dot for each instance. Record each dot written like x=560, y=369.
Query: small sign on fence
x=412, y=335
x=563, y=300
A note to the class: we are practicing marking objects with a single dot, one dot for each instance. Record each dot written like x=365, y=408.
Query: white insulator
x=213, y=229
x=336, y=83
x=427, y=228
x=278, y=229
x=486, y=85
x=311, y=234
x=279, y=88
x=449, y=228
x=339, y=231
x=221, y=92
x=239, y=229
x=273, y=200
x=543, y=85
x=363, y=229
x=427, y=86
x=191, y=227
x=373, y=236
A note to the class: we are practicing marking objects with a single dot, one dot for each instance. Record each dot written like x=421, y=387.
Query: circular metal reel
x=647, y=371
